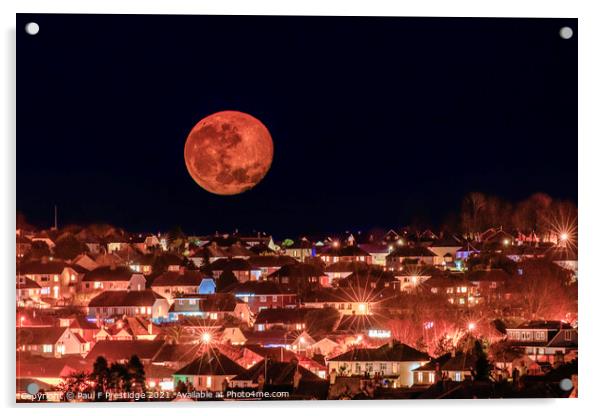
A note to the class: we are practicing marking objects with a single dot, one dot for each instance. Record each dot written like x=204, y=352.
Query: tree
x=119, y=378
x=135, y=369
x=322, y=320
x=101, y=377
x=473, y=207
x=483, y=367
x=75, y=384
x=176, y=239
x=68, y=247
x=226, y=279
x=443, y=345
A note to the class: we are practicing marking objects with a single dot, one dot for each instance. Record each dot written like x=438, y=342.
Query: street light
x=471, y=326
x=206, y=337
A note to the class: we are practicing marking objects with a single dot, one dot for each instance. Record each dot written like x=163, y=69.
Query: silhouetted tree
x=226, y=279
x=101, y=377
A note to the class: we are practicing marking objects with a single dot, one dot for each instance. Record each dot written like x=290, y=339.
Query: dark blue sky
x=375, y=121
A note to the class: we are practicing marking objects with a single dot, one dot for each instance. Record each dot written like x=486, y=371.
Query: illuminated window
x=419, y=377
x=431, y=378
x=47, y=348
x=208, y=382
x=263, y=298
x=213, y=315
x=149, y=310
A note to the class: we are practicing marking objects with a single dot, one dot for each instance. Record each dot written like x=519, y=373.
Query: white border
x=590, y=135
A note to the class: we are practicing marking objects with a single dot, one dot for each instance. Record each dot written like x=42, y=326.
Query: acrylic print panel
x=292, y=208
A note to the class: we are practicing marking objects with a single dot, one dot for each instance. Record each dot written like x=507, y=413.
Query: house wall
x=203, y=382
x=401, y=369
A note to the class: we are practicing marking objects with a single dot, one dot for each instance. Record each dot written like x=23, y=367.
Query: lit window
x=431, y=377
x=263, y=299
x=208, y=382
x=213, y=315
x=47, y=348
x=419, y=377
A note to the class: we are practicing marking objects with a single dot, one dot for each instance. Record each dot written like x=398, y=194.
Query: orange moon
x=229, y=152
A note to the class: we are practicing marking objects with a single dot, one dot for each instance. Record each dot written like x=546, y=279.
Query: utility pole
x=56, y=222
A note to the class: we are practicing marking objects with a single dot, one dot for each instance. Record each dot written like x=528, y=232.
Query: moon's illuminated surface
x=228, y=152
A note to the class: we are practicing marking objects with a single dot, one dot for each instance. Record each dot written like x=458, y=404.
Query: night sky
x=375, y=121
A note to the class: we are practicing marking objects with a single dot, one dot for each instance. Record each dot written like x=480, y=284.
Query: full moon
x=229, y=152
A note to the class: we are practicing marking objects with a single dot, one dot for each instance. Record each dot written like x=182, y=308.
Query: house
x=300, y=277
x=264, y=295
x=348, y=301
x=117, y=303
x=241, y=268
x=269, y=264
x=405, y=255
x=118, y=278
x=48, y=372
x=324, y=346
x=212, y=371
x=300, y=250
x=287, y=318
x=457, y=290
x=275, y=374
x=215, y=307
x=171, y=284
x=456, y=366
x=377, y=252
x=544, y=341
x=272, y=338
x=28, y=292
x=445, y=250
x=348, y=253
x=392, y=362
x=490, y=283
x=23, y=246
x=413, y=276
x=340, y=270
x=51, y=341
x=57, y=279
x=128, y=328
x=86, y=329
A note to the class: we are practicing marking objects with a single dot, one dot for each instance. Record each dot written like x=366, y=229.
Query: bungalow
x=392, y=362
x=117, y=303
x=215, y=307
x=171, y=284
x=210, y=372
x=51, y=341
x=116, y=278
x=407, y=255
x=544, y=341
x=264, y=295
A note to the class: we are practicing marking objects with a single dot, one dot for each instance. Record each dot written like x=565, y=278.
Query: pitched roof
x=259, y=288
x=493, y=275
x=123, y=350
x=301, y=270
x=283, y=315
x=42, y=266
x=39, y=335
x=271, y=261
x=235, y=264
x=211, y=364
x=185, y=278
x=345, y=251
x=125, y=298
x=397, y=352
x=277, y=372
x=108, y=273
x=26, y=283
x=412, y=251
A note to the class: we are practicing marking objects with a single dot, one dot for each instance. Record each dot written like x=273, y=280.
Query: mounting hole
x=566, y=32
x=566, y=384
x=32, y=28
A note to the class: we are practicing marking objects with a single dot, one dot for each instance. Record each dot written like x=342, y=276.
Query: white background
x=590, y=176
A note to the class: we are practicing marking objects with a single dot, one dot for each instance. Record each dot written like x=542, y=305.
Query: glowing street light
x=206, y=337
x=506, y=242
x=564, y=237
x=472, y=326
x=362, y=308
